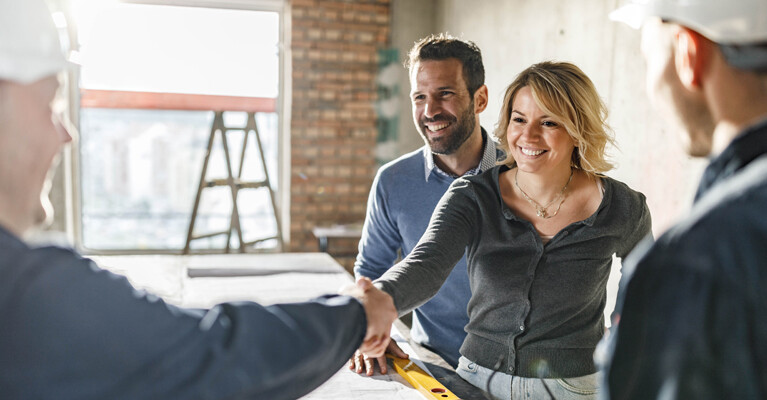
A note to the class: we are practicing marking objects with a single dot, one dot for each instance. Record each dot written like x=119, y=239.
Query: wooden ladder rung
x=260, y=240
x=217, y=182
x=237, y=183
x=207, y=235
x=251, y=184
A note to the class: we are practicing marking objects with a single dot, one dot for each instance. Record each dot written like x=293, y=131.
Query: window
x=151, y=75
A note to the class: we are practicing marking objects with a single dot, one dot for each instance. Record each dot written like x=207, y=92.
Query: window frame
x=71, y=159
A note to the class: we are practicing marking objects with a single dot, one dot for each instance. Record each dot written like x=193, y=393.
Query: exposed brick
x=330, y=55
x=329, y=114
x=348, y=15
x=364, y=18
x=352, y=28
x=360, y=172
x=364, y=57
x=361, y=6
x=314, y=34
x=330, y=15
x=298, y=54
x=303, y=23
x=358, y=105
x=346, y=115
x=312, y=171
x=328, y=95
x=334, y=52
x=328, y=133
x=314, y=55
x=345, y=172
x=332, y=34
x=365, y=76
x=300, y=44
x=348, y=57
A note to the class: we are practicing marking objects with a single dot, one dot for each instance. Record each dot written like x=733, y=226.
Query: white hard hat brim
x=33, y=68
x=30, y=47
x=630, y=14
x=724, y=22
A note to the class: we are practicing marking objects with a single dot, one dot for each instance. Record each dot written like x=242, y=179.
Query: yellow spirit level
x=429, y=387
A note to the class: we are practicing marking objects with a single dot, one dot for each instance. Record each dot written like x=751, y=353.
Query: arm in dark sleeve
x=420, y=275
x=381, y=239
x=290, y=349
x=81, y=332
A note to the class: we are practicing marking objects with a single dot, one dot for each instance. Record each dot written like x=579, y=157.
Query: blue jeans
x=504, y=386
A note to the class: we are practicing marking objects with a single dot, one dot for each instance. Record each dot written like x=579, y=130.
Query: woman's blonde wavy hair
x=566, y=94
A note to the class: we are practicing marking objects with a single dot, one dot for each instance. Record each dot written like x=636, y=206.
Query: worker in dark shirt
x=70, y=330
x=692, y=306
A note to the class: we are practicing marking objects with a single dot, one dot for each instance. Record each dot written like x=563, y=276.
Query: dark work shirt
x=693, y=305
x=70, y=330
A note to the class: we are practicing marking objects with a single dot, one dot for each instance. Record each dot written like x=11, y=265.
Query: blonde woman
x=540, y=231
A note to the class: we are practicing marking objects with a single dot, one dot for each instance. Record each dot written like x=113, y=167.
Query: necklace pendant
x=541, y=213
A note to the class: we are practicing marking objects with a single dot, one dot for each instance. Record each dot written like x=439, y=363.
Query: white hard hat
x=736, y=22
x=30, y=48
x=739, y=27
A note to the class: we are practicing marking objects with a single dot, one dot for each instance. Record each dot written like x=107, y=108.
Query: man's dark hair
x=444, y=46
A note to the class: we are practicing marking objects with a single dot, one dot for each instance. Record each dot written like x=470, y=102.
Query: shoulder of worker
x=22, y=259
x=724, y=233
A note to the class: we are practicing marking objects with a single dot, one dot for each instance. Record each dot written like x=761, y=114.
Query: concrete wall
x=513, y=34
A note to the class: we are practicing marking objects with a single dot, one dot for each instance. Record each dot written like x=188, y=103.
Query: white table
x=325, y=233
x=201, y=281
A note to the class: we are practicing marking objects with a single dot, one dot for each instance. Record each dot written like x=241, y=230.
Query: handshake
x=380, y=313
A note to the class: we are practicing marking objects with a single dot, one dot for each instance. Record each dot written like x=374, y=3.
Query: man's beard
x=461, y=131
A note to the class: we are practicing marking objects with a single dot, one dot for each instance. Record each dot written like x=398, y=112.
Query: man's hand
x=380, y=312
x=361, y=362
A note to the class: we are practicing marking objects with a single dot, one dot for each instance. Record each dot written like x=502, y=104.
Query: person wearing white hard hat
x=70, y=330
x=691, y=310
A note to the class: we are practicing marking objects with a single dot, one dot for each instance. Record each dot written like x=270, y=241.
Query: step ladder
x=235, y=184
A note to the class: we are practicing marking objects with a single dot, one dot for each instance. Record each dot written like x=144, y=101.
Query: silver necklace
x=541, y=210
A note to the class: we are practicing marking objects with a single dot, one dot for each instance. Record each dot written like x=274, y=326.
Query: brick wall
x=333, y=127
